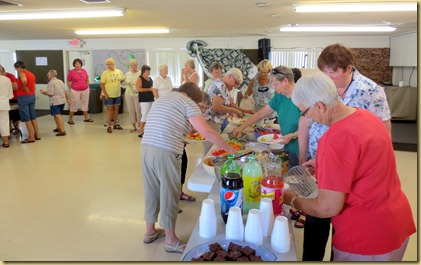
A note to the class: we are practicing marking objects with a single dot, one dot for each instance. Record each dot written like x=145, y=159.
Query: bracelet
x=292, y=201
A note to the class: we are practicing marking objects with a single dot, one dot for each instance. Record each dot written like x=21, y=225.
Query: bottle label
x=276, y=196
x=252, y=188
x=231, y=198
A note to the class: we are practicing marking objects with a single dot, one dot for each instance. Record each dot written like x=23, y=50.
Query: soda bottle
x=252, y=177
x=272, y=183
x=231, y=187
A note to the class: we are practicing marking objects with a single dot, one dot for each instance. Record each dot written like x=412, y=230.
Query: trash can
x=95, y=104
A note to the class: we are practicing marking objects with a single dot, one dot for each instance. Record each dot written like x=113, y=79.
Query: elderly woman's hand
x=237, y=131
x=288, y=195
x=310, y=165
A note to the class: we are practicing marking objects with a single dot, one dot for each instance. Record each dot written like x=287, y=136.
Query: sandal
x=109, y=130
x=177, y=248
x=89, y=120
x=118, y=127
x=56, y=130
x=26, y=141
x=37, y=138
x=294, y=214
x=151, y=238
x=6, y=145
x=63, y=133
x=301, y=220
x=185, y=197
x=71, y=122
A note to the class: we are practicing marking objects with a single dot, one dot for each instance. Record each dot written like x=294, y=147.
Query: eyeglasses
x=303, y=114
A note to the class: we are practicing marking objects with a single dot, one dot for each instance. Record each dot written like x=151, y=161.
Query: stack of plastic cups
x=234, y=229
x=254, y=231
x=266, y=209
x=207, y=219
x=280, y=239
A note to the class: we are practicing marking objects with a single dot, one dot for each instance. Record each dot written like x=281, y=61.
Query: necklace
x=343, y=94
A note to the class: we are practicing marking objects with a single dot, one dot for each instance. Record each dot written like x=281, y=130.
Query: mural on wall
x=373, y=63
x=121, y=58
x=229, y=58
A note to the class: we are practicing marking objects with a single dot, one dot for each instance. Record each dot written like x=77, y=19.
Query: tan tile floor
x=80, y=197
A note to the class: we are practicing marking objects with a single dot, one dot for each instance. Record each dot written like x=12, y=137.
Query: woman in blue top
x=282, y=80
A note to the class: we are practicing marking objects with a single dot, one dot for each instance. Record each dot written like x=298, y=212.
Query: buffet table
x=201, y=181
x=196, y=240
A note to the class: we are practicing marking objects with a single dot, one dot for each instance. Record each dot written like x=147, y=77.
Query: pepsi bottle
x=231, y=187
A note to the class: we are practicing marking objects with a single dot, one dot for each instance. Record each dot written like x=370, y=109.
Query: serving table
x=201, y=181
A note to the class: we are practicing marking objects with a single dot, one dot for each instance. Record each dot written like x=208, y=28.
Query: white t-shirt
x=164, y=85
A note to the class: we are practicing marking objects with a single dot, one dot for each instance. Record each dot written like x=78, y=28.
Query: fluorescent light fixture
x=356, y=7
x=123, y=31
x=337, y=29
x=56, y=14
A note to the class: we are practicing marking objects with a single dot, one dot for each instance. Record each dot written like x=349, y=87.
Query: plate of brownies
x=230, y=251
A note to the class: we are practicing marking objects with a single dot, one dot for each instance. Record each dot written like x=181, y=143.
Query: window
x=174, y=59
x=295, y=58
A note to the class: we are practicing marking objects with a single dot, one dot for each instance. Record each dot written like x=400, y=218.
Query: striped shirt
x=168, y=123
x=56, y=91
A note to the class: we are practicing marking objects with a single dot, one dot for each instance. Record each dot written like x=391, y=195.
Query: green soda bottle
x=252, y=177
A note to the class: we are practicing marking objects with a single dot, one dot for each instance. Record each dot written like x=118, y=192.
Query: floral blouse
x=362, y=93
x=261, y=99
x=217, y=88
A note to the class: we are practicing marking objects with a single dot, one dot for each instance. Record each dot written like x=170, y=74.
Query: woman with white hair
x=57, y=97
x=162, y=81
x=189, y=73
x=131, y=94
x=111, y=80
x=354, y=177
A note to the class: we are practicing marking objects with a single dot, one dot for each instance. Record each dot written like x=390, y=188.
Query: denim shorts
x=112, y=101
x=27, y=108
x=57, y=109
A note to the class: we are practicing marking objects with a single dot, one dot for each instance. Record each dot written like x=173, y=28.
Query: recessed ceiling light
x=337, y=28
x=57, y=14
x=262, y=4
x=123, y=31
x=356, y=7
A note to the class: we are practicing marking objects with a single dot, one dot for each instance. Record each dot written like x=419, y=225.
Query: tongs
x=221, y=159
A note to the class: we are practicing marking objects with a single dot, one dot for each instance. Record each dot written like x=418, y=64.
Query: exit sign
x=76, y=43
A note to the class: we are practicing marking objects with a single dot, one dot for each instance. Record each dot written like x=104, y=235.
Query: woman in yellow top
x=110, y=82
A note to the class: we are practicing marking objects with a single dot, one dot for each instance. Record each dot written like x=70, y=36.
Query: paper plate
x=268, y=139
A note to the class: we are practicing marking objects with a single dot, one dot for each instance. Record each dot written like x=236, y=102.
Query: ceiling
x=192, y=18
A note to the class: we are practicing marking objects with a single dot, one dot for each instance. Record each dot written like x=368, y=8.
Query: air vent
x=94, y=1
x=4, y=3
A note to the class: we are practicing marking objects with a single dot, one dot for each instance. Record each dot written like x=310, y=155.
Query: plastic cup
x=266, y=209
x=234, y=229
x=280, y=240
x=254, y=231
x=207, y=219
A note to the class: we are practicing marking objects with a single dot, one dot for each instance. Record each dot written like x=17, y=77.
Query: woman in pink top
x=78, y=82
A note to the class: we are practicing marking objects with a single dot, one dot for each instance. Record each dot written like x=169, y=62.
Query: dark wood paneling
x=55, y=62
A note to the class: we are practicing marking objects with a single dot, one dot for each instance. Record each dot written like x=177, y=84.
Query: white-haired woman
x=6, y=93
x=189, y=73
x=162, y=81
x=111, y=80
x=131, y=94
x=354, y=178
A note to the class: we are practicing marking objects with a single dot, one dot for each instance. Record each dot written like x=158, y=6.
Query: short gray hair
x=162, y=66
x=190, y=62
x=313, y=88
x=236, y=73
x=136, y=62
x=281, y=72
x=53, y=72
